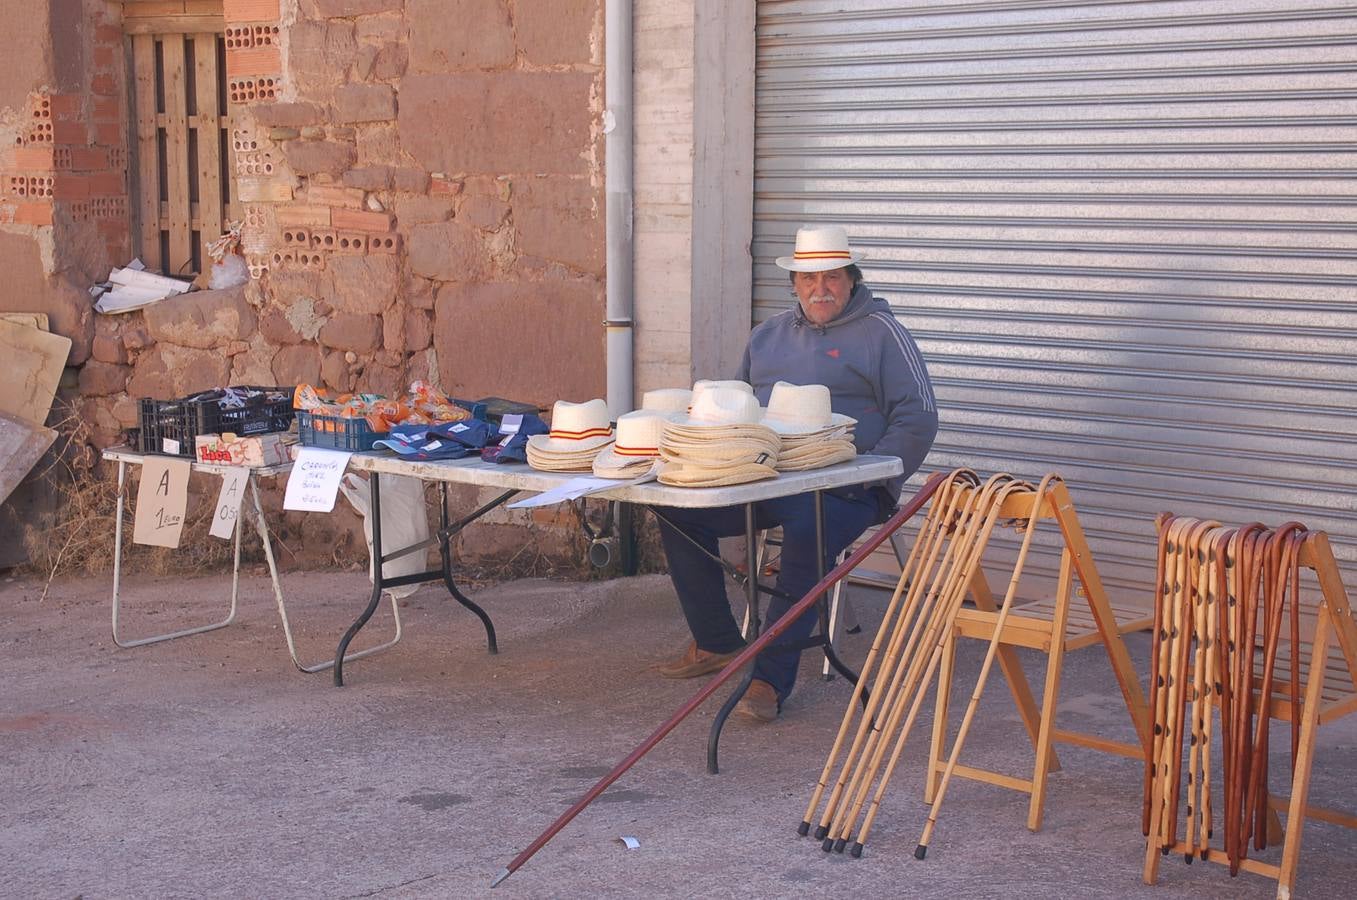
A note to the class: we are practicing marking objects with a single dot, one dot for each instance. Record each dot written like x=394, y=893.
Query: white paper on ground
x=228, y=501
x=630, y=842
x=314, y=481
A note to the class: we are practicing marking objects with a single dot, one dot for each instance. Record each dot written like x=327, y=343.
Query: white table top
x=518, y=476
x=126, y=454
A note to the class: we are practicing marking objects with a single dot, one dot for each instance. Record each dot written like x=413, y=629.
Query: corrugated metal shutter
x=1123, y=234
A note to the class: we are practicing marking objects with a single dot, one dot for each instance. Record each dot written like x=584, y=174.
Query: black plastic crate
x=181, y=421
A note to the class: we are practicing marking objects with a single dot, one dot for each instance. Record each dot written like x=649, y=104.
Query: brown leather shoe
x=695, y=662
x=759, y=702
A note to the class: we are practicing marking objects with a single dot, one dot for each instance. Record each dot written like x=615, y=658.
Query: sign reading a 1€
x=162, y=500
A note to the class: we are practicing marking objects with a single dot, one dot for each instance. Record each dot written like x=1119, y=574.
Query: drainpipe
x=617, y=160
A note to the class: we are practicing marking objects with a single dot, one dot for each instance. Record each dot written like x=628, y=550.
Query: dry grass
x=79, y=539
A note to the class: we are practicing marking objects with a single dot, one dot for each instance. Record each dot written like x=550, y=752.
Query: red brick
x=69, y=133
x=106, y=109
x=256, y=61
x=251, y=10
x=29, y=159
x=103, y=57
x=33, y=214
x=104, y=184
x=360, y=220
x=105, y=85
x=71, y=187
x=87, y=159
x=110, y=34
x=65, y=106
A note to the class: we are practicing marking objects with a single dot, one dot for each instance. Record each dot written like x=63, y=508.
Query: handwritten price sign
x=314, y=481
x=233, y=482
x=162, y=500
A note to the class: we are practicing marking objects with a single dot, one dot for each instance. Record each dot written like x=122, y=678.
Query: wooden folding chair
x=1053, y=626
x=1331, y=634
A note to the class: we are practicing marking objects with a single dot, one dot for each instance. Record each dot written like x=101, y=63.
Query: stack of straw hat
x=579, y=432
x=637, y=447
x=812, y=435
x=670, y=401
x=720, y=442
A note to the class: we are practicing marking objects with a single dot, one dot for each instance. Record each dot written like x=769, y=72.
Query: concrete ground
x=208, y=766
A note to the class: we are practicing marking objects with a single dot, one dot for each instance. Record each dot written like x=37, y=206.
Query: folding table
x=125, y=457
x=514, y=478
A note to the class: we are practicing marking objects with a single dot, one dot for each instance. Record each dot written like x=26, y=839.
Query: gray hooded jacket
x=870, y=364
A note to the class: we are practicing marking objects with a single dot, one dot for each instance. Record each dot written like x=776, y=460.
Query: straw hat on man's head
x=819, y=248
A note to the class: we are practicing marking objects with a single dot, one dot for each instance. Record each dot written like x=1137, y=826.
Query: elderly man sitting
x=840, y=336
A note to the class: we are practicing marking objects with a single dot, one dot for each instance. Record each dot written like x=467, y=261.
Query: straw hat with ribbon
x=579, y=431
x=819, y=248
x=637, y=446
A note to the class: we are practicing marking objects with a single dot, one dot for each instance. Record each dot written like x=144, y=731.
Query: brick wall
x=422, y=191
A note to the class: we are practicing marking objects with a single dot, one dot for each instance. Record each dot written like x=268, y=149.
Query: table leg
x=445, y=558
x=117, y=579
x=374, y=488
x=752, y=598
x=828, y=642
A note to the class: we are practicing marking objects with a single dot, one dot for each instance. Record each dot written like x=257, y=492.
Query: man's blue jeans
x=700, y=582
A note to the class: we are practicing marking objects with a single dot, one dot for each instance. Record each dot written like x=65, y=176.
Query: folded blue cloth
x=515, y=449
x=450, y=440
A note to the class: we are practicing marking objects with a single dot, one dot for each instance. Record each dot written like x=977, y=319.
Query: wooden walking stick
x=1170, y=531
x=1215, y=563
x=934, y=525
x=1162, y=522
x=954, y=502
x=990, y=654
x=928, y=652
x=771, y=633
x=846, y=799
x=1250, y=540
x=1170, y=740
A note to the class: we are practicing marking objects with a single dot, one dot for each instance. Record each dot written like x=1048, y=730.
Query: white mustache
x=827, y=298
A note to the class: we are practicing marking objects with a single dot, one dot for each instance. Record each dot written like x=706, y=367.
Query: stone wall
x=420, y=182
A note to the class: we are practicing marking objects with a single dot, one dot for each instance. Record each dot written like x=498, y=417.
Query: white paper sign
x=233, y=481
x=570, y=490
x=162, y=500
x=314, y=481
x=510, y=424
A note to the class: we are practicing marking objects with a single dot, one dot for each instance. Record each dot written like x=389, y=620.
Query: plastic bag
x=404, y=522
x=231, y=271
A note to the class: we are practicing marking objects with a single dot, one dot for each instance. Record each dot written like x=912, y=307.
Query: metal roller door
x=1123, y=233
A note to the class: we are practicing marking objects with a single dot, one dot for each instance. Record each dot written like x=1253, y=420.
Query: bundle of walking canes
x=1226, y=600
x=906, y=654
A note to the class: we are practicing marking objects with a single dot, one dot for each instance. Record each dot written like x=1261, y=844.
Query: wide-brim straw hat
x=681, y=475
x=819, y=248
x=794, y=441
x=703, y=386
x=802, y=409
x=575, y=428
x=667, y=400
x=817, y=457
x=637, y=445
x=722, y=407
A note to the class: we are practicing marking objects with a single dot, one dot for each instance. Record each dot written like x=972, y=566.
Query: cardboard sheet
x=22, y=444
x=33, y=361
